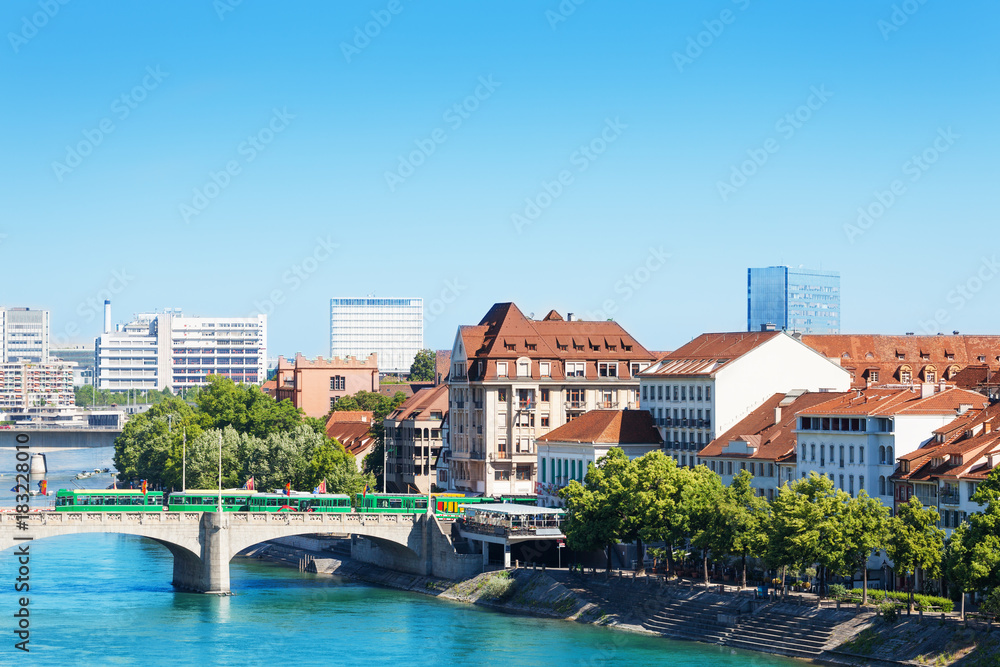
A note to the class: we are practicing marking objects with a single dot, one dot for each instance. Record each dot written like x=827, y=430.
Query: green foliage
x=982, y=539
x=837, y=591
x=890, y=611
x=423, y=367
x=498, y=587
x=992, y=603
x=85, y=396
x=244, y=407
x=602, y=511
x=915, y=541
x=924, y=602
x=380, y=406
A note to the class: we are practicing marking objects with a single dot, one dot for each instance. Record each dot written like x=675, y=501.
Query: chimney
x=926, y=390
x=107, y=316
x=964, y=407
x=987, y=427
x=777, y=415
x=569, y=317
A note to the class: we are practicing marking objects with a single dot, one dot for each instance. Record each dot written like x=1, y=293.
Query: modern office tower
x=24, y=335
x=794, y=300
x=391, y=328
x=159, y=350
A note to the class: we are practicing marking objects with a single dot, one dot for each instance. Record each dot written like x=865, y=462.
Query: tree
x=703, y=500
x=244, y=407
x=331, y=462
x=982, y=537
x=600, y=513
x=424, y=366
x=380, y=406
x=915, y=541
x=746, y=514
x=864, y=528
x=151, y=443
x=958, y=565
x=658, y=501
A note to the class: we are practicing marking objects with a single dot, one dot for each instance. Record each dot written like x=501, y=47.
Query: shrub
x=499, y=587
x=837, y=591
x=890, y=612
x=992, y=603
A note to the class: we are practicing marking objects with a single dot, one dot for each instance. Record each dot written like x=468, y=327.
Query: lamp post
x=220, y=471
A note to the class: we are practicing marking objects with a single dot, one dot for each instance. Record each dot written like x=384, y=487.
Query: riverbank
x=794, y=627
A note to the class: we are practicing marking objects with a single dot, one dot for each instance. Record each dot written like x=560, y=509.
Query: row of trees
x=85, y=396
x=809, y=523
x=268, y=440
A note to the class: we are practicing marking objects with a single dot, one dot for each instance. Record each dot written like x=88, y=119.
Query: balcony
x=526, y=405
x=502, y=455
x=608, y=405
x=576, y=405
x=478, y=405
x=950, y=497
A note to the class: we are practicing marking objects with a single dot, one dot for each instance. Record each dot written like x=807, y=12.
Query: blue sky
x=626, y=159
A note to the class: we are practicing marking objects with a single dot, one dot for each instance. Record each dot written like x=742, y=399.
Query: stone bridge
x=203, y=543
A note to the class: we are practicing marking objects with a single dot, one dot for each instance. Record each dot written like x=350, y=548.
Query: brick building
x=315, y=385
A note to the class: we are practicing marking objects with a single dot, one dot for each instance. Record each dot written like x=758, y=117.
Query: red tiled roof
x=776, y=441
x=355, y=436
x=349, y=416
x=881, y=401
x=709, y=352
x=423, y=403
x=617, y=427
x=505, y=334
x=948, y=355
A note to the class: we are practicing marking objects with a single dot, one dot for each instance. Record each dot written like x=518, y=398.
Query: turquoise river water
x=107, y=600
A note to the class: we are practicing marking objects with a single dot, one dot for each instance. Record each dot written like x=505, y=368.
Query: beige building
x=413, y=440
x=514, y=379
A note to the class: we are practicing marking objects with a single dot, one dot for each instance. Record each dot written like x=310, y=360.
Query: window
x=501, y=475
x=338, y=383
x=851, y=480
x=545, y=369
x=523, y=472
x=841, y=481
x=708, y=393
x=812, y=452
x=729, y=467
x=708, y=419
x=861, y=455
x=770, y=470
x=575, y=369
x=675, y=392
x=881, y=485
x=905, y=375
x=545, y=421
x=607, y=369
x=852, y=454
x=881, y=454
x=699, y=392
x=502, y=369
x=502, y=394
x=645, y=392
x=861, y=483
x=683, y=392
x=544, y=395
x=841, y=462
x=711, y=465
x=333, y=401
x=523, y=369
x=889, y=458
x=659, y=392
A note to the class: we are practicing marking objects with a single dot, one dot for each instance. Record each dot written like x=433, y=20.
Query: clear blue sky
x=199, y=81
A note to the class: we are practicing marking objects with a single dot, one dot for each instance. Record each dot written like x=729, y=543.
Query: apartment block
x=706, y=387
x=391, y=328
x=414, y=437
x=24, y=335
x=171, y=350
x=514, y=379
x=315, y=386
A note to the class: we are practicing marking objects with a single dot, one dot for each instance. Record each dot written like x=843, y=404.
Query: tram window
x=421, y=504
x=395, y=503
x=383, y=503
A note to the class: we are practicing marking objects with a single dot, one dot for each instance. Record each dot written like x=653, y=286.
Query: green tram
x=108, y=500
x=198, y=500
x=306, y=502
x=446, y=505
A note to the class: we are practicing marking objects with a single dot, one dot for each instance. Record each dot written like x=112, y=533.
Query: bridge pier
x=207, y=572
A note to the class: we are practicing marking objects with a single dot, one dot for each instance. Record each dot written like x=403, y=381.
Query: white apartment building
x=514, y=379
x=391, y=328
x=160, y=350
x=24, y=335
x=706, y=387
x=855, y=439
x=29, y=387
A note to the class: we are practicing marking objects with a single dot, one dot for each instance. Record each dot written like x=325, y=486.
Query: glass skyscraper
x=795, y=300
x=392, y=328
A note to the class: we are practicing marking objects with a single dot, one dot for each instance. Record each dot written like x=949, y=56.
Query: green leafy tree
x=601, y=511
x=957, y=563
x=151, y=443
x=983, y=535
x=805, y=525
x=380, y=406
x=703, y=500
x=423, y=367
x=332, y=463
x=659, y=511
x=244, y=407
x=915, y=542
x=746, y=514
x=864, y=529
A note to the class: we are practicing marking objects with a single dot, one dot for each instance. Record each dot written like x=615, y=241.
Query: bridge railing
x=9, y=519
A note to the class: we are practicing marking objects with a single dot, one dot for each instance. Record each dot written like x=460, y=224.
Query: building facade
x=27, y=388
x=170, y=350
x=391, y=328
x=704, y=388
x=24, y=335
x=315, y=386
x=514, y=379
x=855, y=439
x=797, y=300
x=414, y=438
